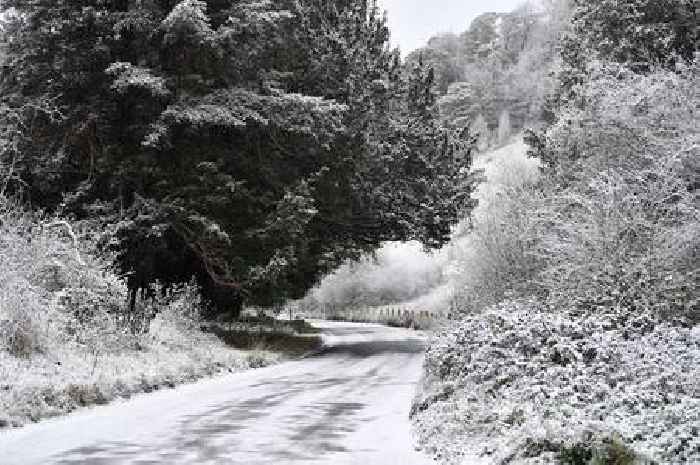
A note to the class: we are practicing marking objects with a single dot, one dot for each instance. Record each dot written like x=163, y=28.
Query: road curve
x=346, y=405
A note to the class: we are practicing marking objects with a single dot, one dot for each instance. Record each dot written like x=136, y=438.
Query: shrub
x=19, y=332
x=29, y=323
x=614, y=453
x=497, y=257
x=621, y=228
x=495, y=253
x=627, y=241
x=177, y=315
x=623, y=120
x=55, y=292
x=525, y=381
x=611, y=452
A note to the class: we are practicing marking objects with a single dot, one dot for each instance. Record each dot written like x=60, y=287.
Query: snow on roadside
x=46, y=385
x=522, y=385
x=67, y=337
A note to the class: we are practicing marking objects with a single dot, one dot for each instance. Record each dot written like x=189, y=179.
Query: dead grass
x=286, y=343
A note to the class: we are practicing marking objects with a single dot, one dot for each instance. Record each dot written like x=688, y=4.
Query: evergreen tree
x=254, y=144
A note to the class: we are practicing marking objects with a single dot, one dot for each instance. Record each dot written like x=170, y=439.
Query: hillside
x=500, y=67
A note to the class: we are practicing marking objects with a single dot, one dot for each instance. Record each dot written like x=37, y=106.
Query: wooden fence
x=397, y=314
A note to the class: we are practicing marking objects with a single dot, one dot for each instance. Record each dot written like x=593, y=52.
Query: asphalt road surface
x=346, y=405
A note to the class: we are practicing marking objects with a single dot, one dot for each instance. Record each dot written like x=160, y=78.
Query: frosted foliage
x=187, y=21
x=239, y=108
x=492, y=254
x=519, y=383
x=257, y=17
x=628, y=121
x=579, y=299
x=128, y=76
x=53, y=294
x=622, y=246
x=399, y=273
x=504, y=129
x=625, y=231
x=65, y=335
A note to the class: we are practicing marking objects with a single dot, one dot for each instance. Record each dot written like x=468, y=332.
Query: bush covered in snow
x=493, y=254
x=521, y=383
x=53, y=294
x=622, y=227
x=66, y=338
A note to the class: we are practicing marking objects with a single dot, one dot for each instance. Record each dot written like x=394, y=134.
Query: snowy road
x=347, y=405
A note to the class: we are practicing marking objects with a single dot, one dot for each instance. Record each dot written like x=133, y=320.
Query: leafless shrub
x=53, y=293
x=176, y=315
x=495, y=255
x=19, y=332
x=627, y=242
x=622, y=229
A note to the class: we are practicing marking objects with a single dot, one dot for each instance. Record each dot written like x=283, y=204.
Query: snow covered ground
x=346, y=405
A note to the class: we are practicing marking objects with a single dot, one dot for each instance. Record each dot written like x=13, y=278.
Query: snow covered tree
x=254, y=144
x=504, y=60
x=504, y=128
x=638, y=32
x=443, y=54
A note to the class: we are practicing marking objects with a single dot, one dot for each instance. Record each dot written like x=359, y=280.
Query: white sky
x=413, y=22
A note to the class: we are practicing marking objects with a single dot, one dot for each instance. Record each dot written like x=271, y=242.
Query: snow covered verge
x=66, y=338
x=47, y=385
x=520, y=384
